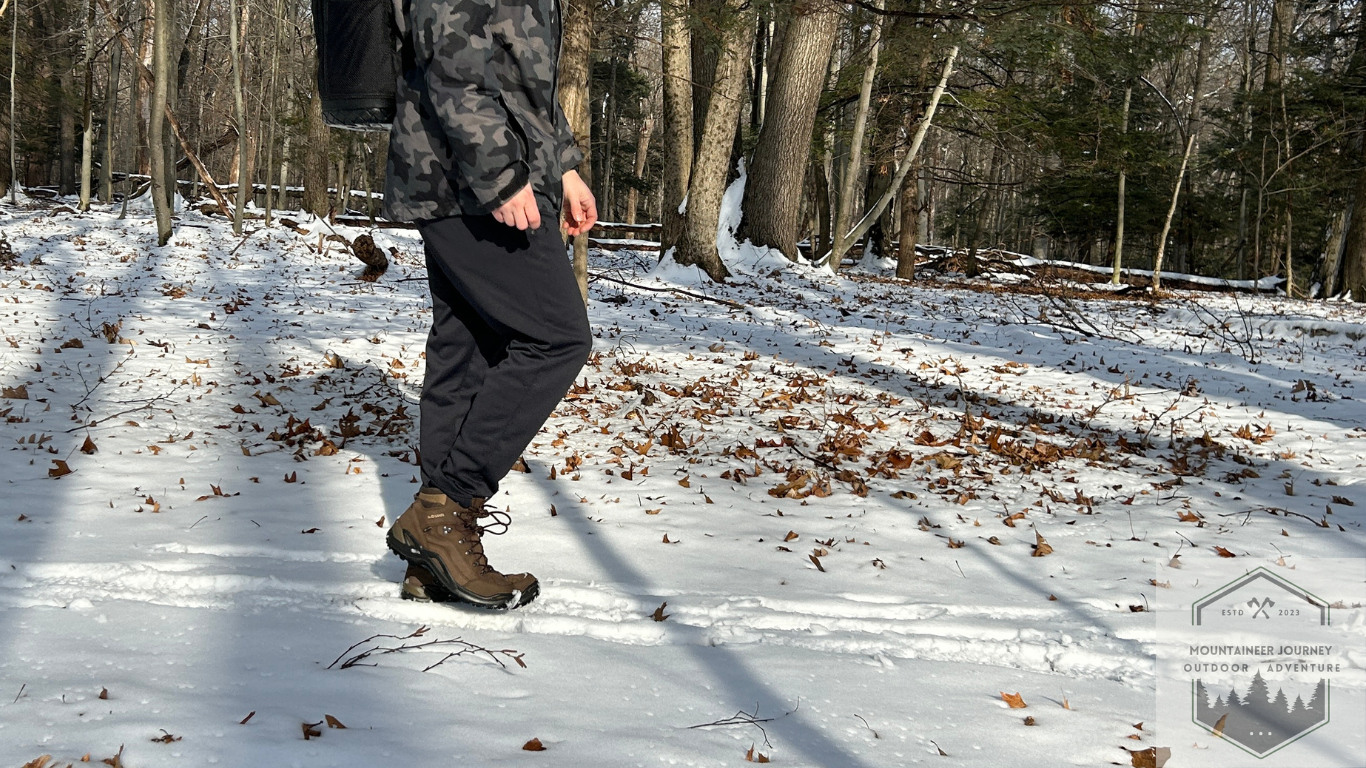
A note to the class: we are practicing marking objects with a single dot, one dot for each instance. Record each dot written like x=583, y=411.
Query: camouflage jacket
x=478, y=113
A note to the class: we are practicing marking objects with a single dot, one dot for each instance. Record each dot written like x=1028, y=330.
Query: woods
x=1060, y=131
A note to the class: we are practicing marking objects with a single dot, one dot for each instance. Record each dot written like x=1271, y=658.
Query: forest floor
x=864, y=509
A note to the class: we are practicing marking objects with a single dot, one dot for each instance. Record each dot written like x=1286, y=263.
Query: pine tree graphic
x=1257, y=721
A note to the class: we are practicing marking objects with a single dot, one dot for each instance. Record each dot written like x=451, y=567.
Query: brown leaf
x=60, y=470
x=520, y=465
x=1186, y=516
x=88, y=447
x=292, y=477
x=333, y=722
x=791, y=535
x=104, y=693
x=817, y=561
x=534, y=745
x=311, y=730
x=686, y=482
x=1015, y=700
x=166, y=738
x=1010, y=521
x=14, y=393
x=1218, y=730
x=1030, y=720
x=1222, y=552
x=1041, y=547
x=38, y=762
x=248, y=718
x=1152, y=757
x=659, y=614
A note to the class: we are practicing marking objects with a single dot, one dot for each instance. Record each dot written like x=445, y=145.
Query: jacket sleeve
x=570, y=154
x=488, y=148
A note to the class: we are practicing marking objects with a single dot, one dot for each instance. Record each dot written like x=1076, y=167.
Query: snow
x=178, y=567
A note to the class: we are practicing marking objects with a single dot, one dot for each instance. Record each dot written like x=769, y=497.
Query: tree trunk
x=240, y=115
x=9, y=174
x=1123, y=180
x=163, y=21
x=642, y=157
x=575, y=98
x=271, y=108
x=910, y=229
x=855, y=164
x=1332, y=255
x=781, y=155
x=1171, y=212
x=315, y=159
x=88, y=110
x=676, y=46
x=697, y=244
x=705, y=46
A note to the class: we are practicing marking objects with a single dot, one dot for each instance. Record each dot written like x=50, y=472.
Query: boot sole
x=447, y=590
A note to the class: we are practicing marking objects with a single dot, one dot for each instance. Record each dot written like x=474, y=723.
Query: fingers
x=521, y=211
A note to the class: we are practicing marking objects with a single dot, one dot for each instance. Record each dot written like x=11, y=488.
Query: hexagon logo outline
x=1257, y=721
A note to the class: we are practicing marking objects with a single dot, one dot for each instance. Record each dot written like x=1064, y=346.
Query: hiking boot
x=442, y=538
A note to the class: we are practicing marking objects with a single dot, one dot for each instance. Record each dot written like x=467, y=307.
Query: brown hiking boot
x=442, y=538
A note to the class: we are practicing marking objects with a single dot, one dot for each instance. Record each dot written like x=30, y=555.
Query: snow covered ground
x=836, y=484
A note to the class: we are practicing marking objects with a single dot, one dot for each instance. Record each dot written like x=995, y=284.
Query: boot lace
x=473, y=530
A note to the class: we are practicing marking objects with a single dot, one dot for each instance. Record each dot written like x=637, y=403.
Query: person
x=482, y=159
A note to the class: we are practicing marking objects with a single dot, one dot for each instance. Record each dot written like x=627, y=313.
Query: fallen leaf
x=333, y=722
x=311, y=730
x=534, y=745
x=1015, y=700
x=39, y=762
x=1222, y=552
x=14, y=393
x=791, y=535
x=166, y=738
x=88, y=447
x=60, y=470
x=248, y=718
x=1152, y=757
x=1041, y=547
x=104, y=693
x=1030, y=720
x=659, y=614
x=817, y=561
x=380, y=522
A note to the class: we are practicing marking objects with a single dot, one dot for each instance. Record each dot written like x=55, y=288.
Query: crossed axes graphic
x=1263, y=607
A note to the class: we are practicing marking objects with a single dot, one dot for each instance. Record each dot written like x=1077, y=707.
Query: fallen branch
x=679, y=291
x=465, y=648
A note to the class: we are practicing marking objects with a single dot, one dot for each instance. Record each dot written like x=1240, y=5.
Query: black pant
x=509, y=335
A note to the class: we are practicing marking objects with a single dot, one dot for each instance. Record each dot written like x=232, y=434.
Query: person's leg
x=460, y=349
x=522, y=286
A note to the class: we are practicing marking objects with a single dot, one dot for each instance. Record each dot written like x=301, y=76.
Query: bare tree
x=774, y=189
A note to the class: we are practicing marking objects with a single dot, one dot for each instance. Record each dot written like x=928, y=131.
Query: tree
x=696, y=245
x=775, y=186
x=163, y=20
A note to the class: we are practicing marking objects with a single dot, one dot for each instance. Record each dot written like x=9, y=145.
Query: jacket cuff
x=517, y=175
x=570, y=157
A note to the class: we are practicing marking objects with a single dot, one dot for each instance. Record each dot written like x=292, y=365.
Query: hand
x=521, y=211
x=580, y=209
